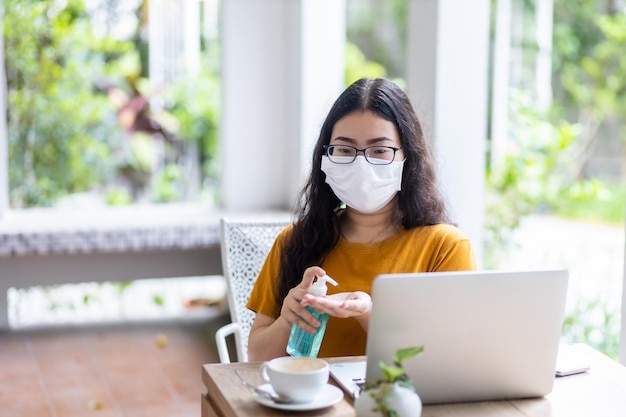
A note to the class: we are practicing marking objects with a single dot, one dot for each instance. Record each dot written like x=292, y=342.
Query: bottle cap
x=319, y=288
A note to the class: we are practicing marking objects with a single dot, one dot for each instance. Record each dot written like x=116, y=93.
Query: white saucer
x=330, y=395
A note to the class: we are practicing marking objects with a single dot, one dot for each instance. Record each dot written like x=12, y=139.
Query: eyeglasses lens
x=377, y=155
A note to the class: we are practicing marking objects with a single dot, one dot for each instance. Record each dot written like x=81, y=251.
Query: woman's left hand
x=344, y=304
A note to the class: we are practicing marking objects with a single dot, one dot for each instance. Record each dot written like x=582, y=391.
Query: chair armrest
x=220, y=339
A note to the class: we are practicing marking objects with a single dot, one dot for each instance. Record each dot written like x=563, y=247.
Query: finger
x=351, y=305
x=308, y=317
x=321, y=305
x=309, y=275
x=295, y=295
x=304, y=324
x=308, y=299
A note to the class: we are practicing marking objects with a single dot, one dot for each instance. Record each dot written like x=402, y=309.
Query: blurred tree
x=544, y=167
x=83, y=116
x=59, y=126
x=357, y=66
x=590, y=74
x=378, y=28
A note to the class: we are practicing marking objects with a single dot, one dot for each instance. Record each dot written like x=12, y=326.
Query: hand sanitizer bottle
x=302, y=343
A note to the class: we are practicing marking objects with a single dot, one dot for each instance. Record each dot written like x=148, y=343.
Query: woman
x=370, y=206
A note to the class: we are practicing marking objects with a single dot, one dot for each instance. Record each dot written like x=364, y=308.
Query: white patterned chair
x=244, y=246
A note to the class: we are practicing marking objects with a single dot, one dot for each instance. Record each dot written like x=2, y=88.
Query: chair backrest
x=244, y=247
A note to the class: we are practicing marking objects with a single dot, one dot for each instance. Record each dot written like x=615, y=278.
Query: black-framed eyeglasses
x=375, y=155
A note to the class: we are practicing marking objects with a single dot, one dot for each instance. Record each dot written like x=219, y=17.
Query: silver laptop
x=486, y=334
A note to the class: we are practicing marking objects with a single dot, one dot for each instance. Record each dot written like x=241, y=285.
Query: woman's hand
x=357, y=304
x=269, y=336
x=293, y=311
x=343, y=304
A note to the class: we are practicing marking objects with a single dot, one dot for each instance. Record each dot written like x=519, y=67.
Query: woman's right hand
x=292, y=311
x=268, y=335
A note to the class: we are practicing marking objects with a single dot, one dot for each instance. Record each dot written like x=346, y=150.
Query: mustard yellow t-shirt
x=354, y=266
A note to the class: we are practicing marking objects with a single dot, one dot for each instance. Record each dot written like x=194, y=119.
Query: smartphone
x=570, y=361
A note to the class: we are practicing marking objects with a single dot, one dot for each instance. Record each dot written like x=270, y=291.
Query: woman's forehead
x=365, y=127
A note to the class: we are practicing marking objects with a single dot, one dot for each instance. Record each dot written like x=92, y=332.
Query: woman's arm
x=268, y=336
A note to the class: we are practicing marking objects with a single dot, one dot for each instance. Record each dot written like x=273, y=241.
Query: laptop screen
x=486, y=334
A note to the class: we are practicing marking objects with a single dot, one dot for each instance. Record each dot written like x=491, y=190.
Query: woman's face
x=364, y=129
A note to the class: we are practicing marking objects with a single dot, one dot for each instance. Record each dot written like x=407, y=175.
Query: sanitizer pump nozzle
x=319, y=287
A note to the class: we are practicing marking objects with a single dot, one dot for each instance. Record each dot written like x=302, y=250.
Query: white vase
x=404, y=401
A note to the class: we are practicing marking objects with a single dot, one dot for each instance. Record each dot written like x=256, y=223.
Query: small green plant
x=396, y=373
x=393, y=376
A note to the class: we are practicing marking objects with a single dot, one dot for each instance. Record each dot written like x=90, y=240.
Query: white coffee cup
x=300, y=379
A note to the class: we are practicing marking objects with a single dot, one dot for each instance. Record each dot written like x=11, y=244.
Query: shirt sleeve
x=263, y=296
x=454, y=252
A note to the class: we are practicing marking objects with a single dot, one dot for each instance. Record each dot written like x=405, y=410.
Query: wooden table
x=599, y=392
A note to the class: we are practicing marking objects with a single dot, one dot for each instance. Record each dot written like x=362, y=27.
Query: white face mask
x=362, y=186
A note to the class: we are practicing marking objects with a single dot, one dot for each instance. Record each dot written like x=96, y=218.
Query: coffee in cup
x=300, y=379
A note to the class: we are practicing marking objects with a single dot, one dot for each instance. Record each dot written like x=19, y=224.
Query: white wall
x=322, y=70
x=447, y=78
x=282, y=67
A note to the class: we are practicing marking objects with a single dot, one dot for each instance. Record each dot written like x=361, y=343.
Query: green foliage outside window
x=545, y=171
x=358, y=66
x=58, y=125
x=80, y=115
x=530, y=176
x=195, y=105
x=590, y=67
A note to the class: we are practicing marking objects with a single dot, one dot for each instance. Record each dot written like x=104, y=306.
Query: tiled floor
x=122, y=370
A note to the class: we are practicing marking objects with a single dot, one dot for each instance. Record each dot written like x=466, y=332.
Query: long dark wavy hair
x=420, y=203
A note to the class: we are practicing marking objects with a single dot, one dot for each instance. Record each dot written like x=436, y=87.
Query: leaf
x=158, y=300
x=161, y=340
x=87, y=298
x=395, y=373
x=406, y=353
x=392, y=373
x=95, y=405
